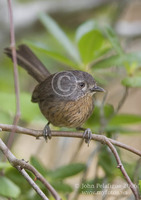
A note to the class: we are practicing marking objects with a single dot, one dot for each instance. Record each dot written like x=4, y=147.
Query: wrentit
x=65, y=98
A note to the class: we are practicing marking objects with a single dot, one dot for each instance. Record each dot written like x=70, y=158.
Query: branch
x=16, y=77
x=121, y=167
x=20, y=165
x=39, y=133
x=88, y=163
x=103, y=120
x=100, y=138
x=122, y=100
x=31, y=182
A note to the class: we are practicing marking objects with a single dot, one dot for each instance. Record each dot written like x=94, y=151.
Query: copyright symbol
x=64, y=83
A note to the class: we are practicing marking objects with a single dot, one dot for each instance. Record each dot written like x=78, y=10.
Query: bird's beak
x=97, y=89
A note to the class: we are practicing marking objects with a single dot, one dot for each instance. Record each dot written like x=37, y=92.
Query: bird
x=66, y=98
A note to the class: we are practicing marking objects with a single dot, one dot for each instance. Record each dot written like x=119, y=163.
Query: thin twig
x=32, y=183
x=16, y=77
x=88, y=163
x=101, y=138
x=120, y=104
x=122, y=100
x=11, y=158
x=39, y=133
x=20, y=165
x=121, y=167
x=75, y=154
x=103, y=121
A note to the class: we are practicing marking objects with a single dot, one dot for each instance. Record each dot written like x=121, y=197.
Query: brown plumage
x=69, y=113
x=64, y=98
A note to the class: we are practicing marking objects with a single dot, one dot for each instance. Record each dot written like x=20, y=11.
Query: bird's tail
x=28, y=60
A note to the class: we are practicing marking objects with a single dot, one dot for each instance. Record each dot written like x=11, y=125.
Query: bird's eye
x=82, y=84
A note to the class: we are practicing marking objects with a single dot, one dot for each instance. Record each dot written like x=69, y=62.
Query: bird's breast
x=68, y=113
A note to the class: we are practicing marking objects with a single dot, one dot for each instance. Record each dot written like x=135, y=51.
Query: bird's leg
x=47, y=132
x=87, y=134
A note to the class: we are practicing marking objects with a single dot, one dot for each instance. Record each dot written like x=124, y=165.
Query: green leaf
x=94, y=120
x=62, y=38
x=90, y=40
x=109, y=62
x=85, y=28
x=89, y=45
x=108, y=162
x=118, y=60
x=4, y=165
x=54, y=55
x=123, y=119
x=139, y=185
x=29, y=111
x=130, y=169
x=8, y=188
x=119, y=129
x=62, y=187
x=37, y=164
x=112, y=37
x=6, y=86
x=68, y=170
x=134, y=81
x=5, y=116
x=18, y=179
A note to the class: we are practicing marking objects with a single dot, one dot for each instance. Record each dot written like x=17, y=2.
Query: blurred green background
x=102, y=38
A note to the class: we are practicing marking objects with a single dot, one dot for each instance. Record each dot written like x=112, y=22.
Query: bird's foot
x=47, y=132
x=87, y=135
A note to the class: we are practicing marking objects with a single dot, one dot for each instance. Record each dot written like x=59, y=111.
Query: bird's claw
x=47, y=132
x=87, y=135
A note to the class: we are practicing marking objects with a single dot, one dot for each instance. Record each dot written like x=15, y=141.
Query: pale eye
x=82, y=84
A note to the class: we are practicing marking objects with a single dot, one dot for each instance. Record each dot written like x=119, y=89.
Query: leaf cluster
x=13, y=185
